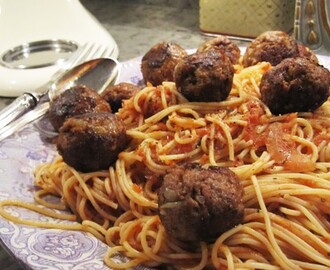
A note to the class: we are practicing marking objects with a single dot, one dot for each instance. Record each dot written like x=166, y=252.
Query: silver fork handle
x=18, y=107
x=12, y=127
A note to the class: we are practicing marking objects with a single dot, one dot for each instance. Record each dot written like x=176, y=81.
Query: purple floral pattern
x=61, y=245
x=38, y=248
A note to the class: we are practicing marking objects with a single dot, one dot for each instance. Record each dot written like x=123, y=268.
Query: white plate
x=48, y=248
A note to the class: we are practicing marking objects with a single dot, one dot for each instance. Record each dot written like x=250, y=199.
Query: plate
x=49, y=248
x=34, y=247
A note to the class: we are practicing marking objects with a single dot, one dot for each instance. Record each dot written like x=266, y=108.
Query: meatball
x=272, y=47
x=206, y=76
x=198, y=204
x=115, y=94
x=295, y=85
x=224, y=45
x=74, y=101
x=305, y=52
x=159, y=62
x=91, y=141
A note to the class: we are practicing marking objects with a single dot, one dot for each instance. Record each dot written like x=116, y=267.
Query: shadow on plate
x=45, y=129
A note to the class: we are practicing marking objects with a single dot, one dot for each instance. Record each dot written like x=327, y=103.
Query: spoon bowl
x=96, y=74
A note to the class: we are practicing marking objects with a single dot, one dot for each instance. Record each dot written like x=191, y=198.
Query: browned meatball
x=204, y=77
x=115, y=94
x=74, y=101
x=92, y=141
x=224, y=45
x=295, y=85
x=272, y=47
x=305, y=52
x=197, y=204
x=159, y=62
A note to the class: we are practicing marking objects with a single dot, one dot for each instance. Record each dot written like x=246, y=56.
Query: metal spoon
x=97, y=74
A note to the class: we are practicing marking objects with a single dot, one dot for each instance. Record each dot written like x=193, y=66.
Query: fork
x=28, y=101
x=94, y=52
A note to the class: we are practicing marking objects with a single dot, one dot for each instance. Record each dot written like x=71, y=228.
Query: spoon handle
x=30, y=116
x=19, y=106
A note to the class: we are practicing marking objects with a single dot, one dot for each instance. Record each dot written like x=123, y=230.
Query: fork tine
x=91, y=51
x=108, y=52
x=95, y=52
x=103, y=51
x=81, y=54
x=98, y=52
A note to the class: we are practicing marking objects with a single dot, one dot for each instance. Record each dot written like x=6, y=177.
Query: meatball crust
x=272, y=47
x=295, y=85
x=92, y=141
x=205, y=77
x=305, y=52
x=198, y=204
x=115, y=94
x=74, y=101
x=159, y=62
x=224, y=45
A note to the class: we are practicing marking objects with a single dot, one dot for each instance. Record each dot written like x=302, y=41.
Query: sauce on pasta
x=282, y=161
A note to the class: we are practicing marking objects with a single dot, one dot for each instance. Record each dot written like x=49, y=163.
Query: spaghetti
x=283, y=163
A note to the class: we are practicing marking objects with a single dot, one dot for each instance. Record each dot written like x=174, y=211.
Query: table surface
x=136, y=26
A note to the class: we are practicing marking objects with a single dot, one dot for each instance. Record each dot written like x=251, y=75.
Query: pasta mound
x=282, y=161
